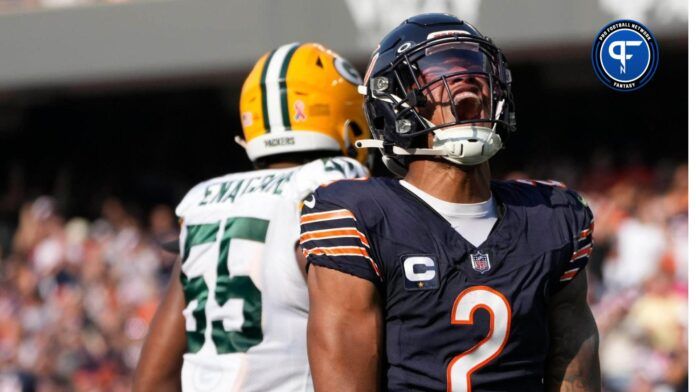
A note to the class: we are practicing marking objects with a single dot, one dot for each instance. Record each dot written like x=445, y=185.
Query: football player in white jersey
x=235, y=314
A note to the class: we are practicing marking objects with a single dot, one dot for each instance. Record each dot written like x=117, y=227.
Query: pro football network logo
x=625, y=55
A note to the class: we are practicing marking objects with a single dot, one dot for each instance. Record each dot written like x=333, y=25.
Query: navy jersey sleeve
x=581, y=222
x=333, y=237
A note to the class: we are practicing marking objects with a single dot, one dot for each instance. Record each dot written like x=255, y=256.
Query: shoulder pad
x=564, y=203
x=326, y=170
x=196, y=193
x=346, y=192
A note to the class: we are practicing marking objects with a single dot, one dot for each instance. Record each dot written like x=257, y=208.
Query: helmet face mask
x=436, y=78
x=432, y=74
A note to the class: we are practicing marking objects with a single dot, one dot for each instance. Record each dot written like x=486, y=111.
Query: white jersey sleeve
x=326, y=170
x=189, y=200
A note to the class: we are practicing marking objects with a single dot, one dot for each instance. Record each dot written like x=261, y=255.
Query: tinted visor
x=444, y=60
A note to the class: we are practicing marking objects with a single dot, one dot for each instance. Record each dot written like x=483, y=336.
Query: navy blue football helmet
x=425, y=53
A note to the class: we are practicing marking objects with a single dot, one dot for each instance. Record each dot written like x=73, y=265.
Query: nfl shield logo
x=480, y=262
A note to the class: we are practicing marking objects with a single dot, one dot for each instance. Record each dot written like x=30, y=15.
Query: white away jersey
x=246, y=299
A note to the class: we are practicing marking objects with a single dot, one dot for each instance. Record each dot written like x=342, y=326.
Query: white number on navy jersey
x=462, y=366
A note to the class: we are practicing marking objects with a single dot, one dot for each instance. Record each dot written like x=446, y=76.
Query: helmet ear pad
x=383, y=123
x=395, y=165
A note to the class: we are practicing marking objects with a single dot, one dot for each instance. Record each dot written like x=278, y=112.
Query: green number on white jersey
x=233, y=293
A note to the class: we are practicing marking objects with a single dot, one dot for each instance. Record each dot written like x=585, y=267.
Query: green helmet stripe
x=284, y=88
x=264, y=96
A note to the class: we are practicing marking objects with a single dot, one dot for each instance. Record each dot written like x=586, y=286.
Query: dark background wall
x=149, y=142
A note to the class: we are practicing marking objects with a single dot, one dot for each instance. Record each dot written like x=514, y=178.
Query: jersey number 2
x=240, y=289
x=462, y=366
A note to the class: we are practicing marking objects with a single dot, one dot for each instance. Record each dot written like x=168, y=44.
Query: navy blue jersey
x=458, y=317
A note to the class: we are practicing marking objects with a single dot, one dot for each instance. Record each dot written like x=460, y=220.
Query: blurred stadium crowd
x=76, y=295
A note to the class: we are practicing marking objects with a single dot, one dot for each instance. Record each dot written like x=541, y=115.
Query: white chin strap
x=466, y=145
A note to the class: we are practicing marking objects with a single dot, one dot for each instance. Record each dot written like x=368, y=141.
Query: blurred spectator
x=164, y=230
x=638, y=269
x=76, y=297
x=639, y=298
x=641, y=241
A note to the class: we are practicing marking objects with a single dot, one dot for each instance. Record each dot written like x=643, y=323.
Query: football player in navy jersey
x=445, y=279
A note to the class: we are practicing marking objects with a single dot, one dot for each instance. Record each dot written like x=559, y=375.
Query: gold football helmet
x=302, y=97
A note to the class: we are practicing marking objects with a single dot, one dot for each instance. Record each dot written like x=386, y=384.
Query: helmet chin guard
x=465, y=145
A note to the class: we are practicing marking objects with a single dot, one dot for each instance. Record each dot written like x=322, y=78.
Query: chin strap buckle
x=369, y=143
x=391, y=149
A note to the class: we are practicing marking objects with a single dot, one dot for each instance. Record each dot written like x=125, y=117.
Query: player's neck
x=448, y=182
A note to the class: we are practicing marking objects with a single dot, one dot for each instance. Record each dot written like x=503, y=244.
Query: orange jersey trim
x=570, y=274
x=341, y=232
x=325, y=216
x=580, y=253
x=338, y=251
x=585, y=233
x=343, y=251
